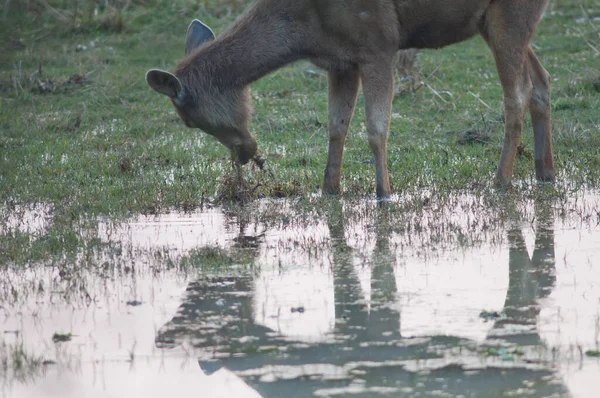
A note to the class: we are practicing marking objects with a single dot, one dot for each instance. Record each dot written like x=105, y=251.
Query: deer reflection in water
x=366, y=354
x=530, y=280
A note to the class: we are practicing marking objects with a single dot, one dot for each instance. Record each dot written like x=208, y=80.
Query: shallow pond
x=460, y=298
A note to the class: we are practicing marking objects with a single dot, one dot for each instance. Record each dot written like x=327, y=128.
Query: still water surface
x=348, y=300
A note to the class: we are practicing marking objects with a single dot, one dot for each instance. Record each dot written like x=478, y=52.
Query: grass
x=81, y=131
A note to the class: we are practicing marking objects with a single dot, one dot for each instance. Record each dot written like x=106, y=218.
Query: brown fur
x=355, y=41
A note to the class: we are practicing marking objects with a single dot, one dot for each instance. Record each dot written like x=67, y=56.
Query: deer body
x=356, y=42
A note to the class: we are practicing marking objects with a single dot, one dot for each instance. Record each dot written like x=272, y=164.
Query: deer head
x=217, y=108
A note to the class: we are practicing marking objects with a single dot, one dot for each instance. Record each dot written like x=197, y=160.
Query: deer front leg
x=378, y=90
x=343, y=89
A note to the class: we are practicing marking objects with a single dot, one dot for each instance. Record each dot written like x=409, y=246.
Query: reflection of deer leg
x=384, y=320
x=350, y=307
x=543, y=258
x=519, y=306
x=520, y=295
x=529, y=279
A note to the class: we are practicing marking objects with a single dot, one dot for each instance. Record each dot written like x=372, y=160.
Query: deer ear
x=164, y=82
x=197, y=34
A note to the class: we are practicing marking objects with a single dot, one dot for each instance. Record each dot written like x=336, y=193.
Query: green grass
x=106, y=144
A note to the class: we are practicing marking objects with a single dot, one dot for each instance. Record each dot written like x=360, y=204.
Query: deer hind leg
x=516, y=86
x=343, y=90
x=516, y=97
x=539, y=108
x=507, y=28
x=378, y=90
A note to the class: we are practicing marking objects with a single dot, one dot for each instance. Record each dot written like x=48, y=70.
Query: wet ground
x=461, y=298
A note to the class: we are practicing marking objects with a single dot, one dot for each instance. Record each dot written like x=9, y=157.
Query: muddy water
x=460, y=298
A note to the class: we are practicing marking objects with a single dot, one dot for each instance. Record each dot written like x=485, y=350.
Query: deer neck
x=257, y=44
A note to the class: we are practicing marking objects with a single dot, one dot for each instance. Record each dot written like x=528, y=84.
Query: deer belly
x=442, y=25
x=428, y=36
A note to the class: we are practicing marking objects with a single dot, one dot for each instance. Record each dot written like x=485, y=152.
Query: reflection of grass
x=592, y=353
x=264, y=349
x=16, y=364
x=426, y=221
x=110, y=146
x=216, y=257
x=504, y=353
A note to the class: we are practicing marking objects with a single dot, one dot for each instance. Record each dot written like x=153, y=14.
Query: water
x=460, y=298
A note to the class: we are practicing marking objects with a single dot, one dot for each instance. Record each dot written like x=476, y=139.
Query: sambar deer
x=356, y=41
